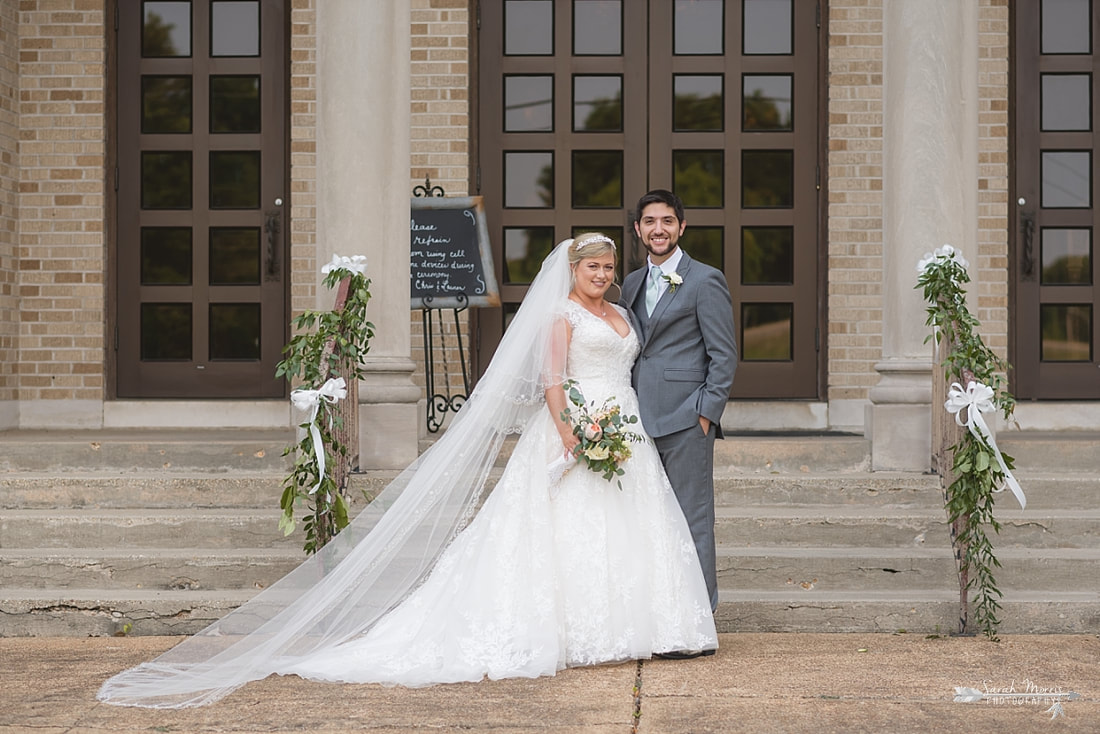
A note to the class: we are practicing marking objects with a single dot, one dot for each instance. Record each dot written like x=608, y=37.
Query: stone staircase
x=162, y=532
x=808, y=542
x=154, y=532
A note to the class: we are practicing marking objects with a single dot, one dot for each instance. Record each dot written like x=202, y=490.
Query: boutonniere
x=674, y=281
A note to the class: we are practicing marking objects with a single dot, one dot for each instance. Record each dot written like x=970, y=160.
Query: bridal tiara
x=595, y=238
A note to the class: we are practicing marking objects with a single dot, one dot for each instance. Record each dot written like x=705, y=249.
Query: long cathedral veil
x=390, y=547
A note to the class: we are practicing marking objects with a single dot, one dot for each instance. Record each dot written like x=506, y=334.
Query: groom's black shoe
x=683, y=654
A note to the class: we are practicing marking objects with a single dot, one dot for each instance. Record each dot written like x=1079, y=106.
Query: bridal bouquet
x=604, y=439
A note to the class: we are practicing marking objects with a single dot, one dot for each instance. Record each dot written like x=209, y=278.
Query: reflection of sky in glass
x=1066, y=179
x=235, y=29
x=698, y=27
x=176, y=17
x=597, y=27
x=592, y=91
x=698, y=86
x=1066, y=101
x=767, y=27
x=1066, y=256
x=528, y=103
x=776, y=90
x=1065, y=26
x=522, y=187
x=529, y=27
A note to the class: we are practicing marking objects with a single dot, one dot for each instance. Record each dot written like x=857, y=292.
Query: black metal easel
x=440, y=403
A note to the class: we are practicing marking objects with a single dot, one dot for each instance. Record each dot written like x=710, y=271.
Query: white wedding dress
x=547, y=576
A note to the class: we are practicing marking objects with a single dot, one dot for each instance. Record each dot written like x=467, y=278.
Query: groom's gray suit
x=685, y=370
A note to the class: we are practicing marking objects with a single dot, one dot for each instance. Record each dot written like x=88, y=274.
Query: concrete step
x=790, y=453
x=916, y=611
x=1052, y=451
x=95, y=612
x=105, y=613
x=123, y=451
x=872, y=527
x=161, y=490
x=793, y=453
x=145, y=490
x=147, y=568
x=784, y=568
x=210, y=529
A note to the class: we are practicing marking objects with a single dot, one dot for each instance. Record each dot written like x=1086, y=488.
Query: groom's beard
x=671, y=248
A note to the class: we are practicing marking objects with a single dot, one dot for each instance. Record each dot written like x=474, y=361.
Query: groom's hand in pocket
x=704, y=423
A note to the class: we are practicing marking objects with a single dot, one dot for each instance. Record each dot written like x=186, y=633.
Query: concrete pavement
x=827, y=683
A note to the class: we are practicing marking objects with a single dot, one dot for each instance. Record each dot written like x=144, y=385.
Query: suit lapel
x=667, y=297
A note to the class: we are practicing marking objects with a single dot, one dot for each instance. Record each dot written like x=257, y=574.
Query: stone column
x=930, y=172
x=363, y=73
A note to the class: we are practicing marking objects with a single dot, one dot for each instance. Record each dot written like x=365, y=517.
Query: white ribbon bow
x=334, y=389
x=975, y=400
x=356, y=264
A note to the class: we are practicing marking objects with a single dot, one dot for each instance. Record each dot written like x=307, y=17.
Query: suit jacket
x=688, y=348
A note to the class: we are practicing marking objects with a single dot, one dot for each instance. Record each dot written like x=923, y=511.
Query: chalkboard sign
x=451, y=265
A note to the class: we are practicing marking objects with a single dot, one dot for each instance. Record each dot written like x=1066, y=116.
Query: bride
x=424, y=587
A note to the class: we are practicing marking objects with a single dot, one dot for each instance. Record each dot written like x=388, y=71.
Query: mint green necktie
x=653, y=289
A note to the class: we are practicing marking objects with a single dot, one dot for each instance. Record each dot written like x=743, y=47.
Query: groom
x=685, y=368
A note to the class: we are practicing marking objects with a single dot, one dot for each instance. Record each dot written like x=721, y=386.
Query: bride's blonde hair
x=591, y=244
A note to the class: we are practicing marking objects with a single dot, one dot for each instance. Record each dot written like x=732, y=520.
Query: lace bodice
x=599, y=359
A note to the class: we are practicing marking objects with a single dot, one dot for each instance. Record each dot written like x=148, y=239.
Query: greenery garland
x=328, y=345
x=978, y=473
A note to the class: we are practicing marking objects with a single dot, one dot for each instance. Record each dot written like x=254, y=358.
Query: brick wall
x=440, y=142
x=855, y=208
x=990, y=302
x=61, y=250
x=303, y=155
x=9, y=200
x=855, y=118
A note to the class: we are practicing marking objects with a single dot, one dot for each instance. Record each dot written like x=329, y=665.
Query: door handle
x=1027, y=241
x=272, y=221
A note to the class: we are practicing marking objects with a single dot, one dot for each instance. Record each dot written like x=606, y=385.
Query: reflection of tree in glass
x=235, y=104
x=766, y=177
x=703, y=244
x=697, y=177
x=235, y=331
x=545, y=185
x=761, y=113
x=692, y=112
x=235, y=256
x=766, y=255
x=1066, y=333
x=166, y=104
x=166, y=180
x=156, y=37
x=1067, y=269
x=235, y=180
x=606, y=113
x=598, y=178
x=165, y=331
x=166, y=256
x=538, y=244
x=767, y=331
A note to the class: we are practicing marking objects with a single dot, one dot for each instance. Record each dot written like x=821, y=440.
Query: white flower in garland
x=356, y=264
x=947, y=252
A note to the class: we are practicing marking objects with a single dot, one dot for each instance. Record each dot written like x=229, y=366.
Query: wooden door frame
x=112, y=175
x=1025, y=222
x=490, y=323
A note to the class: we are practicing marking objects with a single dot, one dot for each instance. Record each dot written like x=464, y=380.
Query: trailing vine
x=326, y=353
x=979, y=468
